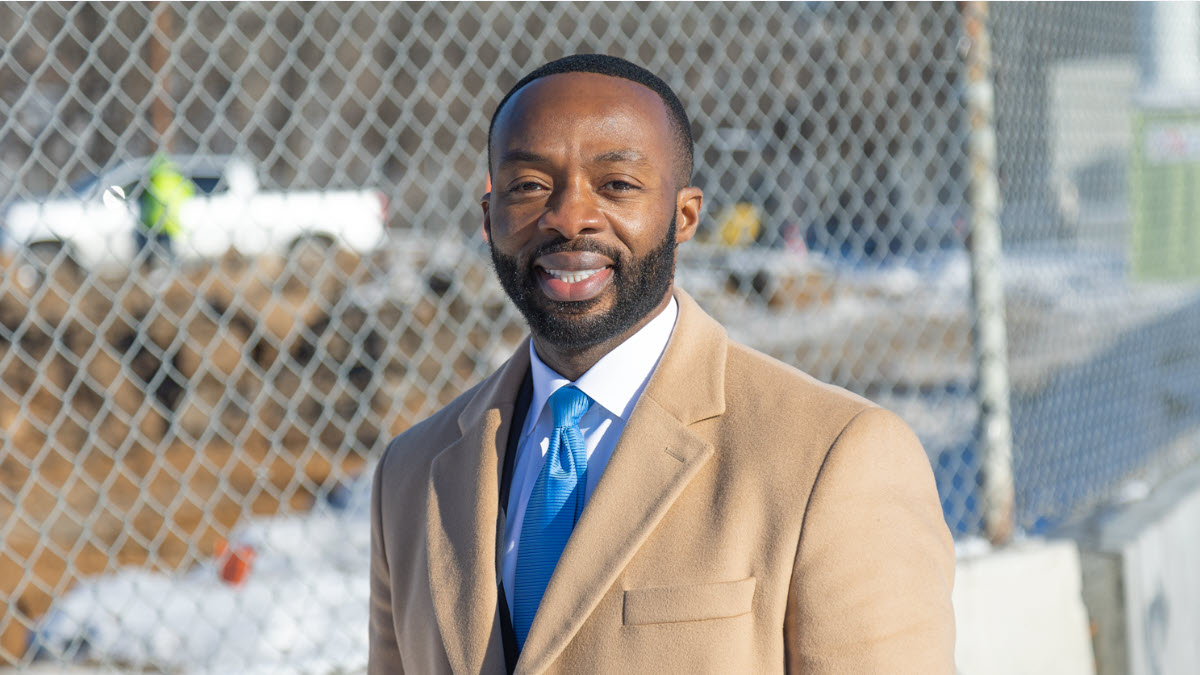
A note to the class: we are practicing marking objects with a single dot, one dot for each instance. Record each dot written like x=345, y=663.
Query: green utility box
x=1166, y=194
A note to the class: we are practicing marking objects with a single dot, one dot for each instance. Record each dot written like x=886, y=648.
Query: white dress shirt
x=614, y=384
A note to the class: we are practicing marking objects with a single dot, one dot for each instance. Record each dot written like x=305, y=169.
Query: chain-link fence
x=1102, y=317
x=189, y=400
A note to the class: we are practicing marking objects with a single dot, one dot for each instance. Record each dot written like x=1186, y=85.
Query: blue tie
x=553, y=508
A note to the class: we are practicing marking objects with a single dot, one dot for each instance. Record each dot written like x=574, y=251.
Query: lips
x=573, y=276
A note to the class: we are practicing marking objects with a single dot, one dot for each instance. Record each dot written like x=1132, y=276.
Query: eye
x=526, y=186
x=621, y=186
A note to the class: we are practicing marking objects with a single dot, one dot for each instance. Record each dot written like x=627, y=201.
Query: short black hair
x=603, y=64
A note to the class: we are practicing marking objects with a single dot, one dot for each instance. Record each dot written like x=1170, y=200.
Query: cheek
x=508, y=234
x=647, y=232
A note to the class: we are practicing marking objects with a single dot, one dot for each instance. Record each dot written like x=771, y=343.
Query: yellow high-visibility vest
x=166, y=192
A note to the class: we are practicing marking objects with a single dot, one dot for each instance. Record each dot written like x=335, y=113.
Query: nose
x=571, y=212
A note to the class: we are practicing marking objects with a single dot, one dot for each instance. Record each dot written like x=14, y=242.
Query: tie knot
x=567, y=405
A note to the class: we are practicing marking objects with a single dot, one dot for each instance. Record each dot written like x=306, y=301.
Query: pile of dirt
x=143, y=416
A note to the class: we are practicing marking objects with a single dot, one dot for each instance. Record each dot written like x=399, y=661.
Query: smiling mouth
x=574, y=276
x=573, y=285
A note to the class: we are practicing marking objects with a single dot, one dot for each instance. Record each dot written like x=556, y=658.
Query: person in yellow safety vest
x=160, y=203
x=739, y=225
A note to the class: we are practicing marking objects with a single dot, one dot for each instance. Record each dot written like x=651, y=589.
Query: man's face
x=584, y=213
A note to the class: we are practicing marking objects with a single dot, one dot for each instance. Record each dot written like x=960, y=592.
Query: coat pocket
x=673, y=604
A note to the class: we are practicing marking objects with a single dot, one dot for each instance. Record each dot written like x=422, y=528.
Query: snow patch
x=303, y=607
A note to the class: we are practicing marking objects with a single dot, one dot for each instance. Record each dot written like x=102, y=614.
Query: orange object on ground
x=233, y=565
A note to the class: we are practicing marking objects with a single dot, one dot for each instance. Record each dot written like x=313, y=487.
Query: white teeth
x=571, y=277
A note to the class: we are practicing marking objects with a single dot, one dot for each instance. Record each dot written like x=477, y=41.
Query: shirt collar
x=617, y=379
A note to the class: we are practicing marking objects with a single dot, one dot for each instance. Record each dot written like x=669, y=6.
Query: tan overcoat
x=750, y=520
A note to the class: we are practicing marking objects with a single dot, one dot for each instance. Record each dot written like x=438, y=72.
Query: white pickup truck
x=229, y=210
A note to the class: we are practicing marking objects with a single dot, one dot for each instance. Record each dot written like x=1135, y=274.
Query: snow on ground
x=302, y=609
x=1066, y=306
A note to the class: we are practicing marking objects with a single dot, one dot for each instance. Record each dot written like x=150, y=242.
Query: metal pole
x=160, y=107
x=987, y=290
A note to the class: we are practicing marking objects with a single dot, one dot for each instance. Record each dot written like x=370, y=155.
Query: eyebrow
x=513, y=156
x=623, y=155
x=627, y=155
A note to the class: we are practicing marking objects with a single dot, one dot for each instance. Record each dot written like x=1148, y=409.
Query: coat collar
x=655, y=458
x=462, y=522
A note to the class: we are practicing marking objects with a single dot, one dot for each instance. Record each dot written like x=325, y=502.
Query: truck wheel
x=45, y=261
x=310, y=264
x=310, y=251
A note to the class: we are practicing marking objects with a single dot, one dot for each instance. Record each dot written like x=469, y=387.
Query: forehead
x=584, y=108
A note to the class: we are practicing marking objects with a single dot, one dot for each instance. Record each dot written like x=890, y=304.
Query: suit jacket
x=751, y=519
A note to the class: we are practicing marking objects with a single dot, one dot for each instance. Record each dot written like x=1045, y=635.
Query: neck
x=574, y=362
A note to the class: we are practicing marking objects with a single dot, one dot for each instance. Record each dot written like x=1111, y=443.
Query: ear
x=688, y=202
x=485, y=203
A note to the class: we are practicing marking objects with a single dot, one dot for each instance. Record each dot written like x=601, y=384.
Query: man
x=632, y=492
x=159, y=205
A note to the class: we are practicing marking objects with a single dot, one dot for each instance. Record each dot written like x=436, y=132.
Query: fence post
x=160, y=51
x=987, y=290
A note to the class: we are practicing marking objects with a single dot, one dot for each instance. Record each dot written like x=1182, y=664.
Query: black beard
x=640, y=285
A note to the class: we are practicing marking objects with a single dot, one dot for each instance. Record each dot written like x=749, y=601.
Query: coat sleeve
x=874, y=569
x=383, y=653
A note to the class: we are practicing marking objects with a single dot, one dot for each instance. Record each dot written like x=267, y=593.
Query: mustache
x=578, y=245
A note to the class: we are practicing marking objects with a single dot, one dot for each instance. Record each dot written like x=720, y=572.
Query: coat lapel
x=651, y=465
x=462, y=521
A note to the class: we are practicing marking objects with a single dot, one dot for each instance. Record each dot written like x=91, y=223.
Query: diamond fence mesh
x=1101, y=231
x=187, y=415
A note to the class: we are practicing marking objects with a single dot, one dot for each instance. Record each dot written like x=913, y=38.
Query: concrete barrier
x=1141, y=572
x=1019, y=611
